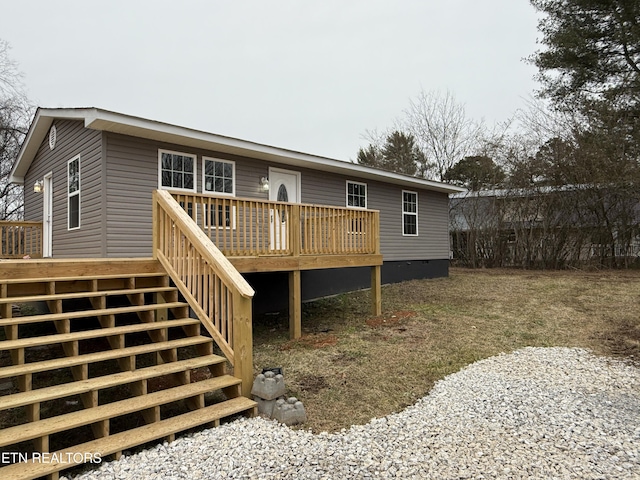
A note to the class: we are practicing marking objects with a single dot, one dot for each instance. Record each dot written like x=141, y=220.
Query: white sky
x=302, y=75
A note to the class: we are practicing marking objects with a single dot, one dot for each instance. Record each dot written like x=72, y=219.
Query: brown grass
x=349, y=367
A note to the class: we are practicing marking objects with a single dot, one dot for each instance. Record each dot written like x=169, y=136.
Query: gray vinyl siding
x=72, y=140
x=132, y=174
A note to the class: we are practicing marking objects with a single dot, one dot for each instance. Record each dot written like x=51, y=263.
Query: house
x=175, y=223
x=546, y=227
x=99, y=168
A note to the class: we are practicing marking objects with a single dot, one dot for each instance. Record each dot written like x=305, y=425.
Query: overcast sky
x=302, y=75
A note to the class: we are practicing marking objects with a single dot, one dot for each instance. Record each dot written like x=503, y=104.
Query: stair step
x=81, y=278
x=50, y=317
x=105, y=381
x=131, y=438
x=71, y=296
x=96, y=333
x=49, y=426
x=46, y=365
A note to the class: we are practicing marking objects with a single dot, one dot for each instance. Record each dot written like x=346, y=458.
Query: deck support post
x=376, y=290
x=295, y=305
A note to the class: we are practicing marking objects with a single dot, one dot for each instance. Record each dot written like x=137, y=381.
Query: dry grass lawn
x=349, y=367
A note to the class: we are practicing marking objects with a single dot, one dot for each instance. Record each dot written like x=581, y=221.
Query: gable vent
x=52, y=137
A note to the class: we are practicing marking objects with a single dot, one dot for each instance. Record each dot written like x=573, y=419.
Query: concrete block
x=268, y=386
x=290, y=411
x=265, y=407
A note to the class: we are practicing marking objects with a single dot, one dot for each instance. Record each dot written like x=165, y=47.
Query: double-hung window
x=177, y=170
x=409, y=213
x=356, y=194
x=73, y=193
x=218, y=176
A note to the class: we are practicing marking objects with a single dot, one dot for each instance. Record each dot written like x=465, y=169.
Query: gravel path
x=536, y=413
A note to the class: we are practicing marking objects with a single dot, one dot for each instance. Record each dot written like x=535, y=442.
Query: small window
x=177, y=171
x=409, y=213
x=73, y=193
x=220, y=217
x=356, y=195
x=218, y=176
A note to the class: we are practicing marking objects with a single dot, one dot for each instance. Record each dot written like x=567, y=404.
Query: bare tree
x=15, y=113
x=442, y=130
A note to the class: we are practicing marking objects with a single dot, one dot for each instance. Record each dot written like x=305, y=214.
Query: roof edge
x=105, y=120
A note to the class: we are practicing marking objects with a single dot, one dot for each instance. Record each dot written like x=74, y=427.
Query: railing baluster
x=259, y=227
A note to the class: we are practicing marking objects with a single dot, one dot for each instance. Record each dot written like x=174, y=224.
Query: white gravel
x=536, y=413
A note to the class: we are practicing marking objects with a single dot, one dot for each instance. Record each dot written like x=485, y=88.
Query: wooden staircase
x=108, y=359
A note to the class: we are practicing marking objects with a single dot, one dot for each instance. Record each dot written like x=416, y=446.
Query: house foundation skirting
x=272, y=289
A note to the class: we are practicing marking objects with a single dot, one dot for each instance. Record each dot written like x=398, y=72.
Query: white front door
x=284, y=186
x=47, y=215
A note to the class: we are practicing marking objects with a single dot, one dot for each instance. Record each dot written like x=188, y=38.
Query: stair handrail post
x=243, y=343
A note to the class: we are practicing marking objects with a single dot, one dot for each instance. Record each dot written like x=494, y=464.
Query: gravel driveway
x=536, y=413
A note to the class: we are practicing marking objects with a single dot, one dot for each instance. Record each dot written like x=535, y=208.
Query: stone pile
x=537, y=413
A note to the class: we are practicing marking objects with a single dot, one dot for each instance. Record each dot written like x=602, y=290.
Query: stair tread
x=50, y=317
x=98, y=332
x=49, y=426
x=82, y=277
x=131, y=438
x=70, y=296
x=105, y=381
x=53, y=364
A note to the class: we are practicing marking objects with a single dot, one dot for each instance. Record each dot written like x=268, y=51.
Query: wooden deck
x=266, y=236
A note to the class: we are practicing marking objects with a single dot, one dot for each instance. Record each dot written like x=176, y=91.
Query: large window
x=73, y=193
x=356, y=194
x=177, y=170
x=409, y=213
x=218, y=176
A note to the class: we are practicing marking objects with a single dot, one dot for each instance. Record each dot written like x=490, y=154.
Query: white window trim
x=366, y=195
x=233, y=179
x=195, y=171
x=76, y=193
x=409, y=213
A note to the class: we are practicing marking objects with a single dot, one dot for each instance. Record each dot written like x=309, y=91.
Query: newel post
x=243, y=342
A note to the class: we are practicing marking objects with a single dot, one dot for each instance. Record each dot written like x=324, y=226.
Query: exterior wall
x=72, y=140
x=132, y=174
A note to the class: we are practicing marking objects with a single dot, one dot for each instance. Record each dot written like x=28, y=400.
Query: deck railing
x=20, y=239
x=217, y=293
x=250, y=227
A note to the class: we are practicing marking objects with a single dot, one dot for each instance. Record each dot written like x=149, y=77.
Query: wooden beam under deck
x=302, y=262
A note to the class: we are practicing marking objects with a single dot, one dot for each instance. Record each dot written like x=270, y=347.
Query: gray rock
x=536, y=413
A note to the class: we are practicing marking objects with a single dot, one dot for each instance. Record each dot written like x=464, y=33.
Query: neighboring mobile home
x=98, y=170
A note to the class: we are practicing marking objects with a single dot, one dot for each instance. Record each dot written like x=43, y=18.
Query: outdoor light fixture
x=264, y=183
x=38, y=187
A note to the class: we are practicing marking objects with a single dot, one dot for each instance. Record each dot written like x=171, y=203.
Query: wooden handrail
x=254, y=227
x=19, y=239
x=215, y=290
